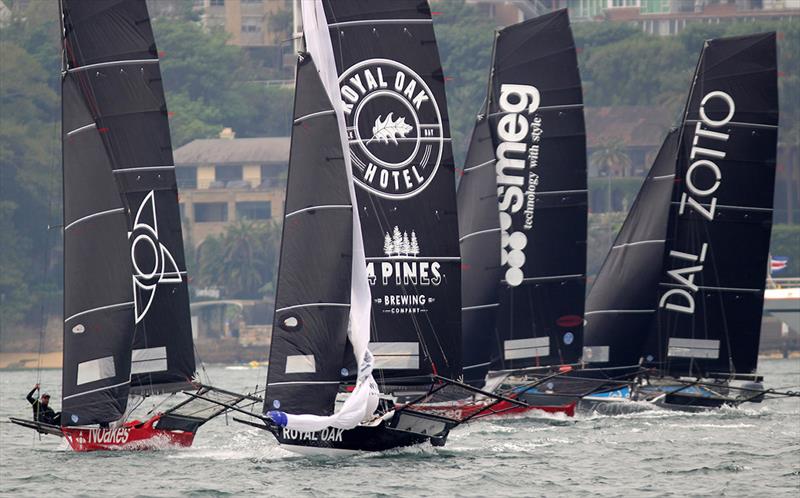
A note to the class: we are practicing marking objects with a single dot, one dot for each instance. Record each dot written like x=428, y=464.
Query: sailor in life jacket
x=41, y=409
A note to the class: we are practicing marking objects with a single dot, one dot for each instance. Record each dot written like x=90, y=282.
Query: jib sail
x=621, y=304
x=537, y=124
x=312, y=304
x=711, y=290
x=392, y=89
x=125, y=295
x=479, y=227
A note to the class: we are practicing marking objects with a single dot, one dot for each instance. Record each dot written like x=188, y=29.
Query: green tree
x=611, y=159
x=242, y=260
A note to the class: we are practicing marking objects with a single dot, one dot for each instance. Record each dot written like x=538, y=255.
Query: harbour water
x=751, y=451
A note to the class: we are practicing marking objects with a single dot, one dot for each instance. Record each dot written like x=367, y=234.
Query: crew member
x=41, y=409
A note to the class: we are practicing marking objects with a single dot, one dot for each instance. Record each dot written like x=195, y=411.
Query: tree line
x=210, y=84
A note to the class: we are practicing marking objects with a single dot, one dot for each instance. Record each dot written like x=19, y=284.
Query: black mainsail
x=682, y=289
x=392, y=89
x=126, y=302
x=620, y=304
x=537, y=124
x=312, y=303
x=711, y=292
x=479, y=226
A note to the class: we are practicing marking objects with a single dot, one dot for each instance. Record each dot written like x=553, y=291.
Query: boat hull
x=132, y=436
x=474, y=409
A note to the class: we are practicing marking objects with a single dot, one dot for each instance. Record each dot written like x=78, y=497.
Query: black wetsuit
x=43, y=413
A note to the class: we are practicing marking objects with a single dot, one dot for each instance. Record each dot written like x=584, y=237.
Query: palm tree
x=243, y=259
x=611, y=158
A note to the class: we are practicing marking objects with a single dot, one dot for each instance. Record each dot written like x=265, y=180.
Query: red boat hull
x=134, y=435
x=489, y=408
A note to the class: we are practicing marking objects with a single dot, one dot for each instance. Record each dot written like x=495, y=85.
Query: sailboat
x=366, y=326
x=523, y=313
x=679, y=300
x=127, y=330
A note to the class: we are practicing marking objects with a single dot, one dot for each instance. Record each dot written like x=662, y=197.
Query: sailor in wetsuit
x=41, y=411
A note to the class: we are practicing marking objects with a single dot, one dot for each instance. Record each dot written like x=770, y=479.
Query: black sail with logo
x=124, y=267
x=536, y=117
x=712, y=282
x=479, y=227
x=392, y=89
x=621, y=304
x=312, y=304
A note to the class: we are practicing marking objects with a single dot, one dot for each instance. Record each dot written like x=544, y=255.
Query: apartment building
x=230, y=179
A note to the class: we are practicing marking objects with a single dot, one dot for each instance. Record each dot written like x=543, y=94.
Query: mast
x=125, y=292
x=711, y=290
x=392, y=89
x=621, y=303
x=536, y=118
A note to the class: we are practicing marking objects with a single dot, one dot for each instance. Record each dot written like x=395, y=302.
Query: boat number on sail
x=403, y=269
x=518, y=133
x=152, y=262
x=394, y=128
x=329, y=435
x=701, y=181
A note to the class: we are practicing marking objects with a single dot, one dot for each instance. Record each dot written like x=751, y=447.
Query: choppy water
x=733, y=452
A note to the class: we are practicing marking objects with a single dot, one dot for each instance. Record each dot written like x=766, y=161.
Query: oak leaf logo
x=389, y=129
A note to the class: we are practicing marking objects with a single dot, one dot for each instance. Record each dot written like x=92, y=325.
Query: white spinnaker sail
x=361, y=404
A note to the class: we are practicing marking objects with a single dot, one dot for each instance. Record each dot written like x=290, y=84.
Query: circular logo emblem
x=394, y=128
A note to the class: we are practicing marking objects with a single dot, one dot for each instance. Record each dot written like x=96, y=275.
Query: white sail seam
x=742, y=208
x=724, y=289
x=99, y=308
x=479, y=306
x=96, y=390
x=321, y=206
x=94, y=215
x=314, y=115
x=82, y=128
x=487, y=163
x=112, y=63
x=563, y=192
x=345, y=305
x=617, y=311
x=477, y=365
x=552, y=277
x=480, y=232
x=143, y=168
x=379, y=21
x=654, y=241
x=739, y=123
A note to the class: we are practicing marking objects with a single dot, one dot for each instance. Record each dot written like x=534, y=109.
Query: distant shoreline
x=52, y=361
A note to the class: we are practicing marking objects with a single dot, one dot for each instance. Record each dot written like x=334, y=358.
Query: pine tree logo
x=400, y=245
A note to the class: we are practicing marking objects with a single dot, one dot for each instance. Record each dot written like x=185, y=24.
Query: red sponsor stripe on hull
x=131, y=436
